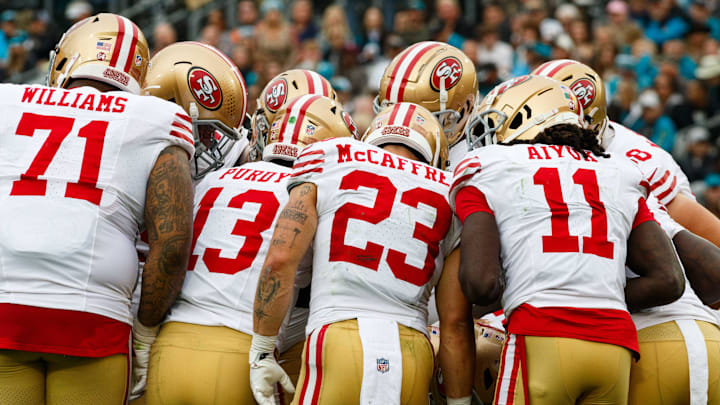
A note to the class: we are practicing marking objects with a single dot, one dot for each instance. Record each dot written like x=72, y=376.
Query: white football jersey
x=235, y=213
x=689, y=305
x=74, y=166
x=665, y=177
x=384, y=229
x=564, y=221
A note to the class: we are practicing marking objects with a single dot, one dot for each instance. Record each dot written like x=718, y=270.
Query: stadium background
x=660, y=59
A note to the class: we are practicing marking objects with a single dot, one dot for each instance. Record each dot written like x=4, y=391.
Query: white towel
x=697, y=361
x=382, y=362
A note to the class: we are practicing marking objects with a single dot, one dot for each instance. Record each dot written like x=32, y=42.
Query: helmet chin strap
x=443, y=96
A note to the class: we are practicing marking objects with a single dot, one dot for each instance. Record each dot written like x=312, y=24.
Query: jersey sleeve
x=643, y=214
x=662, y=217
x=308, y=165
x=664, y=175
x=463, y=176
x=470, y=200
x=180, y=131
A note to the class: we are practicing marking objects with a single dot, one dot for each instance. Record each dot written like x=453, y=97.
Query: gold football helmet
x=436, y=76
x=285, y=87
x=585, y=83
x=301, y=121
x=521, y=108
x=105, y=47
x=209, y=87
x=413, y=126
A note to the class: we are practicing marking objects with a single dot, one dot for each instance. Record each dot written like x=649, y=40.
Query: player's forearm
x=291, y=239
x=695, y=218
x=701, y=260
x=457, y=357
x=480, y=274
x=168, y=219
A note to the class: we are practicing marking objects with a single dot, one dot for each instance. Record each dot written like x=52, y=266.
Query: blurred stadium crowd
x=660, y=59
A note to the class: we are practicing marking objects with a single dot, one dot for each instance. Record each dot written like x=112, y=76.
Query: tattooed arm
x=293, y=234
x=168, y=218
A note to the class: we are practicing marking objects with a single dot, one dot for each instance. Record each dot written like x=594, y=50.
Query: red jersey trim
x=60, y=331
x=610, y=326
x=470, y=200
x=643, y=214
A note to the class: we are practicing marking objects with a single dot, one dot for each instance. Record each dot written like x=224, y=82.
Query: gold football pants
x=29, y=378
x=339, y=378
x=662, y=376
x=562, y=371
x=197, y=364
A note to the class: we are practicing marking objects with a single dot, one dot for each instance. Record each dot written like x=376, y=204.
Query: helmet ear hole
x=516, y=122
x=61, y=65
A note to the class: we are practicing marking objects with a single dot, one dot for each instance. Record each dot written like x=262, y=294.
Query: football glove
x=265, y=370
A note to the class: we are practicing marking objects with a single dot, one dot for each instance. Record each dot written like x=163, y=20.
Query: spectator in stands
x=247, y=17
x=622, y=101
x=448, y=25
x=40, y=41
x=164, y=34
x=311, y=57
x=210, y=35
x=494, y=16
x=303, y=24
x=653, y=123
x=695, y=40
x=695, y=109
x=12, y=52
x=708, y=72
x=666, y=87
x=699, y=13
x=242, y=58
x=335, y=28
x=488, y=78
x=373, y=34
x=625, y=31
x=416, y=19
x=665, y=21
x=492, y=50
x=701, y=157
x=273, y=37
x=566, y=14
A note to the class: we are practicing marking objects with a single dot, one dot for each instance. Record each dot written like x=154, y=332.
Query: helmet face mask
x=211, y=90
x=522, y=108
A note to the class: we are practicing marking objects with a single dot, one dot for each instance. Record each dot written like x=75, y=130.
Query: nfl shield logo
x=383, y=365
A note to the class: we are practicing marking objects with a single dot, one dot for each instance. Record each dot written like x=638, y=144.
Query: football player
x=211, y=90
x=85, y=163
x=549, y=221
x=275, y=96
x=210, y=325
x=667, y=181
x=675, y=363
x=381, y=229
x=438, y=77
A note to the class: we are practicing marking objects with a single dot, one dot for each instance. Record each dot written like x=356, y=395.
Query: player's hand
x=265, y=371
x=143, y=338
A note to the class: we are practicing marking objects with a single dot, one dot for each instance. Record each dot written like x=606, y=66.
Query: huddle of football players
x=281, y=257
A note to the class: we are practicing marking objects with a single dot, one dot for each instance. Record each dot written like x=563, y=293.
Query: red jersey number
x=60, y=127
x=560, y=240
x=369, y=257
x=251, y=230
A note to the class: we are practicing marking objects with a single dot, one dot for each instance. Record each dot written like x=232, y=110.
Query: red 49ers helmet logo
x=276, y=94
x=447, y=71
x=205, y=88
x=350, y=124
x=584, y=90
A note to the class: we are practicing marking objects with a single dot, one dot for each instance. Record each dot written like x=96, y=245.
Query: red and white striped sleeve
x=308, y=165
x=462, y=176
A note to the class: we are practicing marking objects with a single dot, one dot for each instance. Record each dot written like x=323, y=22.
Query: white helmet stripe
x=405, y=68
